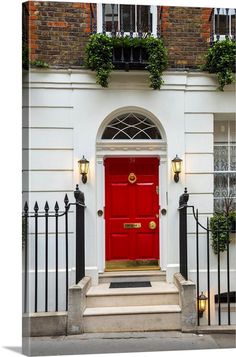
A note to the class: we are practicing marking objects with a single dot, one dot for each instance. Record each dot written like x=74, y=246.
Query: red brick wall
x=59, y=32
x=186, y=33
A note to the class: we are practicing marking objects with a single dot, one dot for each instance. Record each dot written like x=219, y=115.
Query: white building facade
x=68, y=113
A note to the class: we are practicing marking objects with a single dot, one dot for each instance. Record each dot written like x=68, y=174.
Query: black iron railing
x=130, y=58
x=183, y=250
x=33, y=240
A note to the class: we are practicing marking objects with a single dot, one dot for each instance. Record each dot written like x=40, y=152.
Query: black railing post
x=66, y=201
x=208, y=272
x=183, y=254
x=80, y=253
x=25, y=240
x=56, y=208
x=218, y=271
x=197, y=266
x=36, y=208
x=46, y=208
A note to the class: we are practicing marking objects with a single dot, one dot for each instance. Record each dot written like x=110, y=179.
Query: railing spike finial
x=183, y=200
x=46, y=207
x=26, y=207
x=56, y=207
x=36, y=207
x=66, y=200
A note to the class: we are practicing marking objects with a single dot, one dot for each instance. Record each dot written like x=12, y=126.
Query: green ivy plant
x=158, y=61
x=25, y=55
x=26, y=62
x=39, y=63
x=220, y=59
x=99, y=57
x=221, y=225
x=100, y=49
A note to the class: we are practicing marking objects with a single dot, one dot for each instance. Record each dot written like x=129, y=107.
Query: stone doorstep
x=131, y=310
x=160, y=293
x=132, y=318
x=156, y=288
x=130, y=275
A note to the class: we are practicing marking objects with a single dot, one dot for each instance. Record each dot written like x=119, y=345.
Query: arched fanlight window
x=131, y=126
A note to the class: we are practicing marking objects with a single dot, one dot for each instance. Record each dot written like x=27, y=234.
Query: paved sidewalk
x=93, y=343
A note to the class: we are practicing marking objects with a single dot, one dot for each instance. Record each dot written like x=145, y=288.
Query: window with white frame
x=127, y=19
x=224, y=165
x=224, y=23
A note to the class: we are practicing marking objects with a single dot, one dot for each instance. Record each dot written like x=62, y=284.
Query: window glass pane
x=108, y=17
x=220, y=131
x=220, y=185
x=222, y=24
x=220, y=158
x=233, y=158
x=225, y=160
x=128, y=15
x=233, y=24
x=232, y=185
x=218, y=205
x=144, y=24
x=232, y=126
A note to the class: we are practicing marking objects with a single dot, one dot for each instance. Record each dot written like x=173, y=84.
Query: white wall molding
x=135, y=80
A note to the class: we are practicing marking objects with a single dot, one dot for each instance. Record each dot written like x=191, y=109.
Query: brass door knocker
x=132, y=178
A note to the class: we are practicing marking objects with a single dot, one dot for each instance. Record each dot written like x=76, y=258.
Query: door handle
x=152, y=225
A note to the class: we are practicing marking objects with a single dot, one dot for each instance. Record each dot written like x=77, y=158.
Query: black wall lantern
x=176, y=166
x=83, y=167
x=201, y=304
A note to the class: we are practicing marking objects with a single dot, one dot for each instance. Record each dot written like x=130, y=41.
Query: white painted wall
x=66, y=111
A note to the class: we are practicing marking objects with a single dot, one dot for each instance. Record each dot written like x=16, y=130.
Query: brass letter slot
x=132, y=225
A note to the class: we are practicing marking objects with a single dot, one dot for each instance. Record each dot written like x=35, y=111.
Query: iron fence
x=33, y=239
x=227, y=297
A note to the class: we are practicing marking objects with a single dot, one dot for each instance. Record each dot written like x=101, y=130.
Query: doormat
x=130, y=284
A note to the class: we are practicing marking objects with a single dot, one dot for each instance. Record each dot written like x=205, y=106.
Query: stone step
x=121, y=276
x=160, y=293
x=132, y=318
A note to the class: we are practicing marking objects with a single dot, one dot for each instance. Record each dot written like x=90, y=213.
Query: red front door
x=131, y=208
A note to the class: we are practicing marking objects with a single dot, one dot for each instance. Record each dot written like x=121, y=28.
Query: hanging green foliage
x=99, y=57
x=158, y=60
x=221, y=225
x=99, y=52
x=220, y=59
